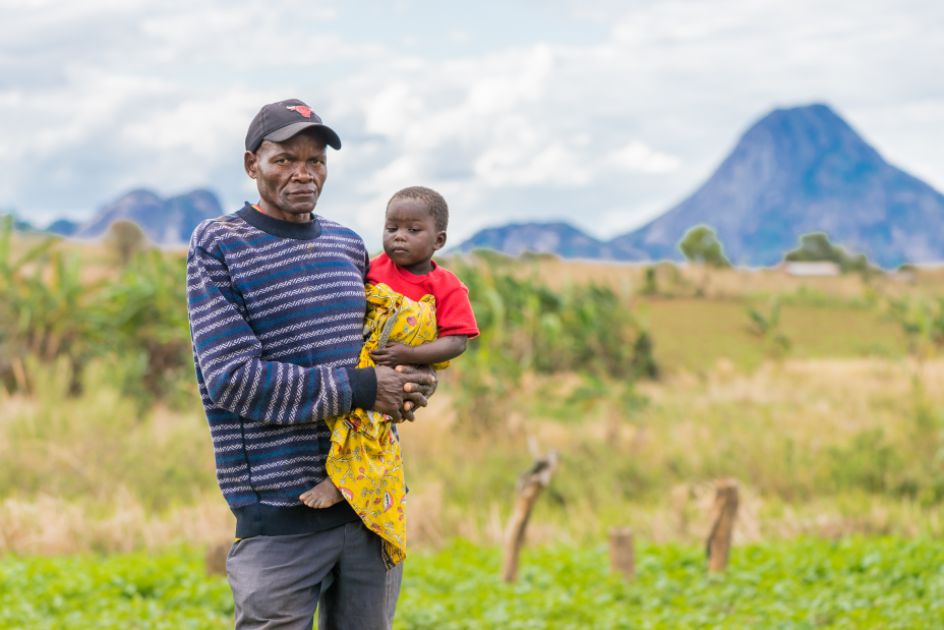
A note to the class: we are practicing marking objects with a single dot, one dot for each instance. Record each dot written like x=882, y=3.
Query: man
x=276, y=305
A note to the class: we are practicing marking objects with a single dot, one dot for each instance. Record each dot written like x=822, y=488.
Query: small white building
x=811, y=269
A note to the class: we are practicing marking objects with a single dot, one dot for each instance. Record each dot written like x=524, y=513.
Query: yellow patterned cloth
x=364, y=461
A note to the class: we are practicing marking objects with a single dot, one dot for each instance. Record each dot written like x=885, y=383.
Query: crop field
x=696, y=334
x=823, y=398
x=804, y=583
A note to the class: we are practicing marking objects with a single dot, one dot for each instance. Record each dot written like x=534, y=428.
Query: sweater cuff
x=363, y=387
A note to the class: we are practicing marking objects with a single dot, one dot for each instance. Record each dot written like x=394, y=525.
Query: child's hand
x=392, y=354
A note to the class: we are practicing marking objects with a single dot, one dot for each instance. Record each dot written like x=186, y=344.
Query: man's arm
x=438, y=351
x=228, y=354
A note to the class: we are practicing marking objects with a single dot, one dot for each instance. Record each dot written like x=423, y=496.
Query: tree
x=125, y=239
x=816, y=247
x=922, y=321
x=701, y=246
x=651, y=283
x=766, y=327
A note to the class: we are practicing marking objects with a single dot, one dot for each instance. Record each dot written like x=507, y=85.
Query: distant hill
x=561, y=239
x=795, y=171
x=804, y=170
x=165, y=221
x=63, y=227
x=555, y=238
x=19, y=224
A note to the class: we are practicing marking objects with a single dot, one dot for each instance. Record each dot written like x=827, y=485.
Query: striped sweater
x=276, y=319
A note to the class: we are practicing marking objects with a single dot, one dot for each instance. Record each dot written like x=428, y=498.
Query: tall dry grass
x=823, y=447
x=92, y=473
x=841, y=435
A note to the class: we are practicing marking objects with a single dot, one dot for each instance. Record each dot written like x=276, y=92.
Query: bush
x=816, y=247
x=124, y=239
x=701, y=246
x=527, y=326
x=50, y=312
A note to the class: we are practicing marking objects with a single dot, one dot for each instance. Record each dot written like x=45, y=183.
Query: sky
x=603, y=114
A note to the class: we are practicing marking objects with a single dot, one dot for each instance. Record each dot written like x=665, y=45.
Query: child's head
x=415, y=227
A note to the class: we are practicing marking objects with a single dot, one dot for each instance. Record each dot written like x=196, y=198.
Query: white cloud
x=636, y=156
x=201, y=127
x=393, y=109
x=553, y=165
x=604, y=131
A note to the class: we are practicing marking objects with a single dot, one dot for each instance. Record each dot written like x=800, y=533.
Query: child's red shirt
x=454, y=314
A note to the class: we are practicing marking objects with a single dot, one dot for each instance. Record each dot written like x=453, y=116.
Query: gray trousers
x=278, y=581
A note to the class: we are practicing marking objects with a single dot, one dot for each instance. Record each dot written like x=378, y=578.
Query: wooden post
x=718, y=545
x=215, y=558
x=680, y=497
x=622, y=555
x=530, y=485
x=19, y=375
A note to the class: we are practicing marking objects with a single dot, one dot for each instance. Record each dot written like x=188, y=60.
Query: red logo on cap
x=304, y=110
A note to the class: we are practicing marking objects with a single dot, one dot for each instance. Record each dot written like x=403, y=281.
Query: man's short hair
x=434, y=202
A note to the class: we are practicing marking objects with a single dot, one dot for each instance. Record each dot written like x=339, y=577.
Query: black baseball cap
x=280, y=121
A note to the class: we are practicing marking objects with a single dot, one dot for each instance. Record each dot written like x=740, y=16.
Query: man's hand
x=408, y=407
x=392, y=355
x=397, y=387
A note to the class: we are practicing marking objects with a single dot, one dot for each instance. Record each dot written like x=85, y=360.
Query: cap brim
x=292, y=130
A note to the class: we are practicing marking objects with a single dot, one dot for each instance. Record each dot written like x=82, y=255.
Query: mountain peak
x=165, y=221
x=806, y=129
x=812, y=110
x=799, y=170
x=555, y=237
x=794, y=171
x=138, y=195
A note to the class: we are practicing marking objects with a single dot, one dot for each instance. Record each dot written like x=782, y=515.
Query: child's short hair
x=433, y=200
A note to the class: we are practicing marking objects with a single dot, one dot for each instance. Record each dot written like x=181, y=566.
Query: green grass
x=805, y=583
x=855, y=583
x=122, y=591
x=694, y=334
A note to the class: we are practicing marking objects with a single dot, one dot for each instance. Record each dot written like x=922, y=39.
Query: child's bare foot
x=321, y=496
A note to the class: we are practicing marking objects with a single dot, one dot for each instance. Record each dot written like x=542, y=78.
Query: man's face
x=410, y=234
x=289, y=175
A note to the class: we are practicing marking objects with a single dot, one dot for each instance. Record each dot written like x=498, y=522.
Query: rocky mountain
x=19, y=224
x=63, y=227
x=555, y=238
x=561, y=239
x=796, y=171
x=804, y=170
x=165, y=221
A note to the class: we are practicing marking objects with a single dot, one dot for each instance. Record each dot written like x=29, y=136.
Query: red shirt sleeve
x=454, y=314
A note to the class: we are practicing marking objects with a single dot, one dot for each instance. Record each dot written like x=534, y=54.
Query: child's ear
x=440, y=240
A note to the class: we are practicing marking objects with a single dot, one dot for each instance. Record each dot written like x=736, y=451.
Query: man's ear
x=249, y=163
x=440, y=240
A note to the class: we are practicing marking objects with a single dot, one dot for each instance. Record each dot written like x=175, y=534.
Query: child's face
x=410, y=234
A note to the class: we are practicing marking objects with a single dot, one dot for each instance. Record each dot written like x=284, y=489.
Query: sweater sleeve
x=229, y=356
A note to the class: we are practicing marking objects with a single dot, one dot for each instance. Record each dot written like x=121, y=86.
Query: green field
x=823, y=398
x=695, y=334
x=804, y=583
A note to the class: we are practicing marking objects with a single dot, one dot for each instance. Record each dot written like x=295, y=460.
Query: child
x=407, y=327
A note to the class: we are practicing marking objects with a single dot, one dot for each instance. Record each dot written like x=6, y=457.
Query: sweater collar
x=285, y=229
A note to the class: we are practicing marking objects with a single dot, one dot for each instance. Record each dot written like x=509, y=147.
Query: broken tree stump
x=530, y=486
x=214, y=559
x=622, y=555
x=680, y=497
x=718, y=545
